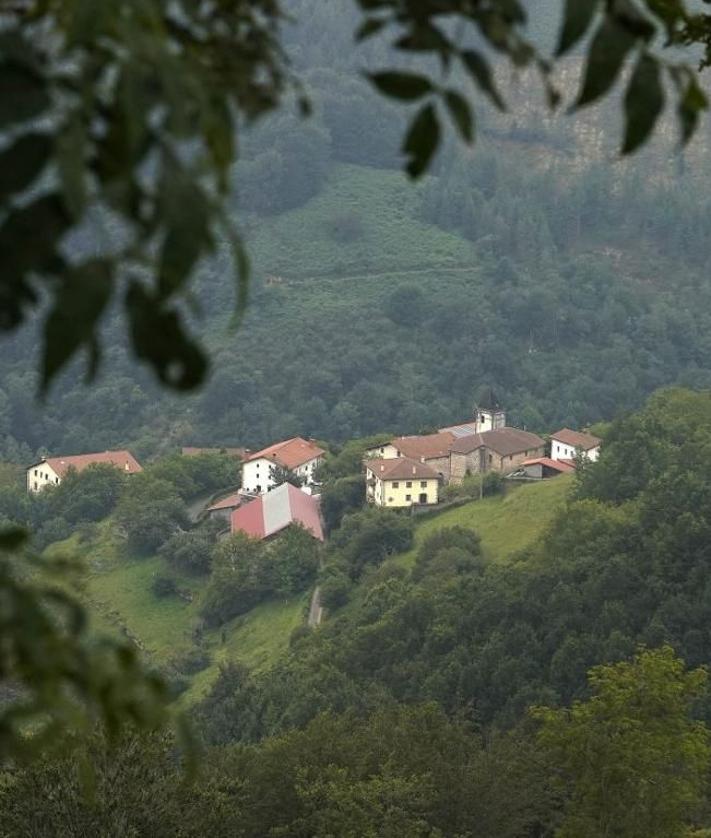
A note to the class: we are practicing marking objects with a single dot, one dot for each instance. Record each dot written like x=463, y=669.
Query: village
x=280, y=483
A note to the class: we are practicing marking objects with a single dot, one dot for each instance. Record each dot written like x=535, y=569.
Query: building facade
x=501, y=449
x=51, y=470
x=297, y=455
x=567, y=444
x=401, y=482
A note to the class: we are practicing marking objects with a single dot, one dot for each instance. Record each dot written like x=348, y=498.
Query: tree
x=280, y=475
x=192, y=551
x=291, y=561
x=181, y=79
x=236, y=583
x=632, y=759
x=149, y=513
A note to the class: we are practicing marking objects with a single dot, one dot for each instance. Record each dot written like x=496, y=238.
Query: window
x=423, y=484
x=35, y=472
x=396, y=484
x=35, y=483
x=408, y=485
x=408, y=497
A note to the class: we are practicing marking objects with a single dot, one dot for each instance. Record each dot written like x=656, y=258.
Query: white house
x=565, y=445
x=301, y=456
x=51, y=470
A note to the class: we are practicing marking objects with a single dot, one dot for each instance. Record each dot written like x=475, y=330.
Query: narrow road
x=315, y=609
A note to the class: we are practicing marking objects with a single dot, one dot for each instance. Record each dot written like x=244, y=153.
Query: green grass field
x=506, y=524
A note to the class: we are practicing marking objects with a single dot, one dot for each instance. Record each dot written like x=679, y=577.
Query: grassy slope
x=117, y=590
x=506, y=524
x=384, y=207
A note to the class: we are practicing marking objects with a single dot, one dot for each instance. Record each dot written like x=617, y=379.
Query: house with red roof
x=401, y=482
x=567, y=444
x=432, y=449
x=50, y=471
x=297, y=455
x=273, y=511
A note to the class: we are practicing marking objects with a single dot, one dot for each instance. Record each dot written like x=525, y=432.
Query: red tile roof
x=290, y=454
x=123, y=460
x=272, y=512
x=576, y=439
x=401, y=468
x=429, y=447
x=230, y=502
x=558, y=465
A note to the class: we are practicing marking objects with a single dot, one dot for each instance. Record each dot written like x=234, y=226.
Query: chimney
x=414, y=469
x=382, y=467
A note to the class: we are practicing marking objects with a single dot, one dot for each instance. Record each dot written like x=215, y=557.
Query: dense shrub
x=191, y=551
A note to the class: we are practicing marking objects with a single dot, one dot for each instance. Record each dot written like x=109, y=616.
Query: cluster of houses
x=410, y=470
x=279, y=483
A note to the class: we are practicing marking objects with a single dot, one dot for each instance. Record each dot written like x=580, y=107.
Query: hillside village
x=280, y=485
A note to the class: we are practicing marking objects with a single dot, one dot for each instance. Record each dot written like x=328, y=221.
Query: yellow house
x=400, y=481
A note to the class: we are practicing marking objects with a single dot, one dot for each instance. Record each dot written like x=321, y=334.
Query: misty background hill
x=536, y=263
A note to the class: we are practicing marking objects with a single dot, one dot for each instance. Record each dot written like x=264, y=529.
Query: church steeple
x=488, y=413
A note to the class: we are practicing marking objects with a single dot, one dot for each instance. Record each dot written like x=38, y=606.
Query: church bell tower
x=488, y=413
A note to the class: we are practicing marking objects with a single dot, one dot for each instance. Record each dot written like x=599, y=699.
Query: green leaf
x=461, y=114
x=644, y=101
x=12, y=539
x=219, y=136
x=21, y=163
x=187, y=214
x=577, y=17
x=421, y=141
x=158, y=337
x=606, y=56
x=691, y=104
x=480, y=72
x=71, y=145
x=78, y=305
x=22, y=247
x=369, y=27
x=405, y=86
x=23, y=95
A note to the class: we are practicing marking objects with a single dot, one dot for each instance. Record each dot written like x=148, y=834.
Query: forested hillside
x=429, y=702
x=572, y=286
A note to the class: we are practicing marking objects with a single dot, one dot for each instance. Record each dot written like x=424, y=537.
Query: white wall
x=41, y=475
x=257, y=476
x=387, y=451
x=562, y=451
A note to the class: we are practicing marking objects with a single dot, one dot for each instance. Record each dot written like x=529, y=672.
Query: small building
x=432, y=449
x=301, y=456
x=567, y=444
x=541, y=468
x=401, y=482
x=502, y=450
x=50, y=471
x=224, y=507
x=270, y=513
